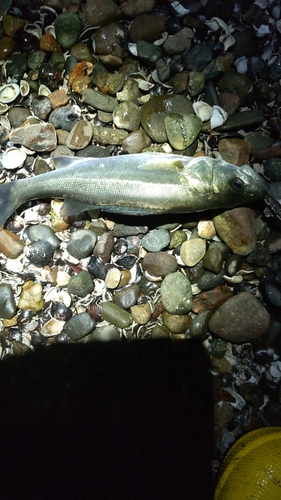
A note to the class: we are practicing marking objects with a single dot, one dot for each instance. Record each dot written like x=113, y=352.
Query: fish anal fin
x=72, y=207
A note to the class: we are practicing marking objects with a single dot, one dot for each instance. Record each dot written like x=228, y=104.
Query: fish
x=136, y=184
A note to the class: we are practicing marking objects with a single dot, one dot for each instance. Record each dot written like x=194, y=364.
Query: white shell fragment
x=219, y=117
x=24, y=88
x=9, y=92
x=13, y=158
x=203, y=110
x=43, y=90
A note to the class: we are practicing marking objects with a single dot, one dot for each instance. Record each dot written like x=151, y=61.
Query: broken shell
x=53, y=327
x=34, y=29
x=5, y=122
x=43, y=90
x=24, y=88
x=13, y=158
x=3, y=108
x=203, y=110
x=219, y=117
x=56, y=295
x=9, y=92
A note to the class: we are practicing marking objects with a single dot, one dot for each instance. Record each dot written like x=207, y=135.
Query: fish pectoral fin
x=72, y=207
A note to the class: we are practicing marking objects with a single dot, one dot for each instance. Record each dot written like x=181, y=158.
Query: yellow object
x=252, y=468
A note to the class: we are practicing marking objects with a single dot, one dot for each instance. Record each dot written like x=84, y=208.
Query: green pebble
x=36, y=58
x=79, y=326
x=115, y=315
x=218, y=348
x=176, y=293
x=81, y=284
x=67, y=29
x=81, y=243
x=8, y=307
x=182, y=129
x=155, y=240
x=42, y=232
x=149, y=53
x=177, y=238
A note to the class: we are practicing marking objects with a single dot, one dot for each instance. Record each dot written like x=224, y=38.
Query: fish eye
x=236, y=186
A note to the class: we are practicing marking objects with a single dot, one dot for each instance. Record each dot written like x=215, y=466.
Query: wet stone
x=272, y=169
x=8, y=307
x=199, y=327
x=149, y=53
x=65, y=117
x=7, y=47
x=81, y=243
x=113, y=278
x=99, y=100
x=147, y=27
x=179, y=42
x=141, y=313
x=48, y=43
x=153, y=114
x=107, y=135
x=176, y=323
x=177, y=238
x=213, y=260
x=31, y=296
x=39, y=253
x=136, y=141
x=176, y=293
x=100, y=12
x=58, y=98
x=182, y=129
x=39, y=137
x=106, y=41
x=252, y=393
x=81, y=284
x=243, y=119
x=79, y=326
x=80, y=136
x=81, y=52
x=10, y=244
x=192, y=251
x=67, y=29
x=240, y=319
x=159, y=264
x=128, y=296
x=197, y=58
x=129, y=92
x=42, y=232
x=236, y=228
x=155, y=240
x=210, y=280
x=115, y=315
x=196, y=83
x=211, y=299
x=104, y=246
x=110, y=83
x=235, y=151
x=126, y=115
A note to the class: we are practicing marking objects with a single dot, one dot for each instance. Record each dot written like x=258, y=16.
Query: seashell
x=241, y=65
x=53, y=327
x=50, y=29
x=24, y=88
x=34, y=29
x=203, y=110
x=5, y=122
x=3, y=108
x=13, y=158
x=9, y=92
x=219, y=117
x=56, y=295
x=43, y=90
x=133, y=49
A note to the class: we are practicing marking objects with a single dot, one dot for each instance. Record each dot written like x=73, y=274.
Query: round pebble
x=159, y=264
x=79, y=325
x=128, y=296
x=81, y=243
x=43, y=232
x=116, y=315
x=156, y=240
x=39, y=253
x=176, y=293
x=8, y=307
x=192, y=251
x=81, y=284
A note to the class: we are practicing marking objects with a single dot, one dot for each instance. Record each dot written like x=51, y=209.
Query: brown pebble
x=141, y=313
x=58, y=98
x=237, y=229
x=10, y=244
x=176, y=323
x=211, y=298
x=147, y=27
x=49, y=43
x=159, y=263
x=220, y=365
x=235, y=150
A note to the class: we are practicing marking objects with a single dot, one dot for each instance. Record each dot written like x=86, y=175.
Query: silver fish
x=137, y=184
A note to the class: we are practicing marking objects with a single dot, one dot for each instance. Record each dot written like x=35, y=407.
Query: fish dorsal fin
x=65, y=161
x=71, y=207
x=167, y=163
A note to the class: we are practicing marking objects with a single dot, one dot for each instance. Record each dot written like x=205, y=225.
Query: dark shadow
x=115, y=421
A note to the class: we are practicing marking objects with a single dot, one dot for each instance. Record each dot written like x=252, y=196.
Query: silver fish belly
x=138, y=184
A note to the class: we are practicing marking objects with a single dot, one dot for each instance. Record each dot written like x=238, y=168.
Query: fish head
x=235, y=186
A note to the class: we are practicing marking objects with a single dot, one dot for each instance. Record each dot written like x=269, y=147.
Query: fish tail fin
x=8, y=201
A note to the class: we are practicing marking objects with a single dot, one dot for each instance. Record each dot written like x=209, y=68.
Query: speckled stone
x=176, y=323
x=176, y=293
x=182, y=129
x=240, y=319
x=155, y=240
x=80, y=136
x=67, y=28
x=128, y=296
x=42, y=232
x=136, y=141
x=141, y=313
x=236, y=228
x=107, y=135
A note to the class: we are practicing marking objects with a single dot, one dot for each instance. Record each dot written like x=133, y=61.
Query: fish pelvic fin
x=8, y=201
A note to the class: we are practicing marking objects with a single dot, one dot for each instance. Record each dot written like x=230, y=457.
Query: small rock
x=128, y=296
x=80, y=136
x=126, y=116
x=79, y=325
x=213, y=260
x=8, y=307
x=182, y=129
x=147, y=27
x=115, y=315
x=99, y=100
x=67, y=29
x=252, y=393
x=176, y=293
x=113, y=278
x=220, y=365
x=106, y=135
x=40, y=137
x=31, y=296
x=211, y=299
x=81, y=243
x=136, y=141
x=206, y=229
x=10, y=244
x=42, y=232
x=235, y=151
x=159, y=264
x=240, y=319
x=179, y=42
x=176, y=323
x=141, y=313
x=39, y=253
x=155, y=240
x=81, y=284
x=236, y=228
x=192, y=251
